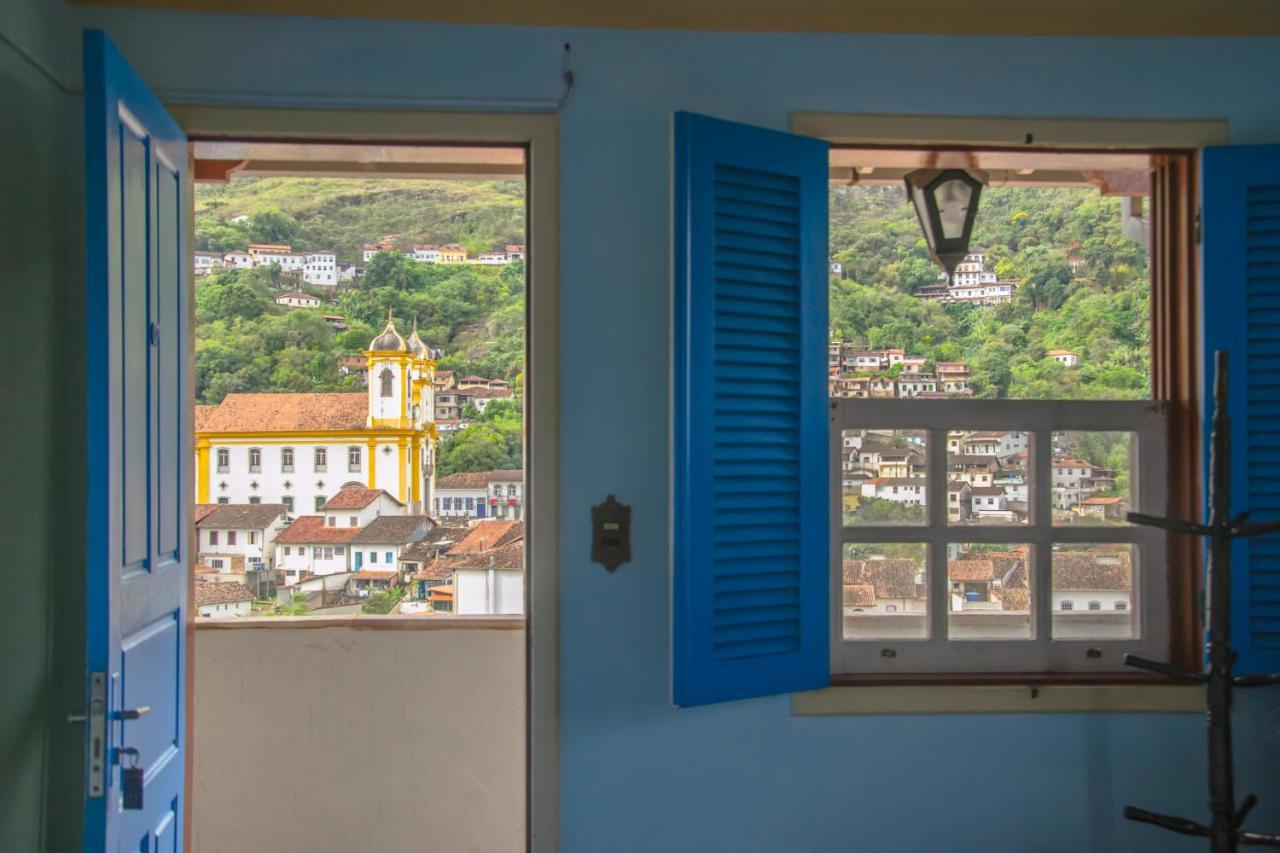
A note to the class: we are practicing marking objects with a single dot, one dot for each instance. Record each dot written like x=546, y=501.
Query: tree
x=273, y=226
x=383, y=601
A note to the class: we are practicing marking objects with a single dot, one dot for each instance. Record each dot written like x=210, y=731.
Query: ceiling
x=976, y=17
x=220, y=160
x=1112, y=173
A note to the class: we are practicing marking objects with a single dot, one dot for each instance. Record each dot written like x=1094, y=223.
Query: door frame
x=539, y=134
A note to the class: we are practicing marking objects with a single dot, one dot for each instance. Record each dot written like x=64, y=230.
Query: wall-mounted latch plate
x=97, y=758
x=611, y=533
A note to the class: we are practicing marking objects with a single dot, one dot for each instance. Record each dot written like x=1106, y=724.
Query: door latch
x=96, y=717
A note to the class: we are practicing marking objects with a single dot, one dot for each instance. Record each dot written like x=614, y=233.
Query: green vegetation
x=1101, y=311
x=882, y=511
x=383, y=601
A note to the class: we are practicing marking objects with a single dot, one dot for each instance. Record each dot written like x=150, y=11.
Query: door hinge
x=1199, y=227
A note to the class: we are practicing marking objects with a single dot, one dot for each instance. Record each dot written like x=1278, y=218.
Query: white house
x=310, y=547
x=371, y=249
x=207, y=262
x=233, y=538
x=356, y=506
x=1095, y=580
x=1063, y=356
x=480, y=494
x=904, y=490
x=488, y=569
x=298, y=299
x=320, y=268
x=883, y=586
x=222, y=600
x=990, y=503
x=379, y=545
x=239, y=259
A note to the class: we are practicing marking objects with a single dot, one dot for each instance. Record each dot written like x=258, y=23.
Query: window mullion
x=1041, y=530
x=936, y=484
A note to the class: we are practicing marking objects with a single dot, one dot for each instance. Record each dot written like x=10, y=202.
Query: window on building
x=373, y=556
x=332, y=521
x=287, y=500
x=319, y=502
x=386, y=377
x=1095, y=605
x=321, y=457
x=390, y=557
x=286, y=459
x=316, y=551
x=213, y=537
x=224, y=500
x=353, y=459
x=231, y=537
x=328, y=552
x=1067, y=605
x=216, y=564
x=254, y=499
x=224, y=460
x=340, y=550
x=255, y=459
x=286, y=550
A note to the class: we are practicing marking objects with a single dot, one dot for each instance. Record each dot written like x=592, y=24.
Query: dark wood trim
x=1175, y=378
x=1003, y=679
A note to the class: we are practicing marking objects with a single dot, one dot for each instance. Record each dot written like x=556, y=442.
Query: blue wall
x=637, y=774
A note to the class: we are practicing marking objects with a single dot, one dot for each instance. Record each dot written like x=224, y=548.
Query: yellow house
x=452, y=254
x=299, y=449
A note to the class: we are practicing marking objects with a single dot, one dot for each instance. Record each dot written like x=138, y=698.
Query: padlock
x=131, y=780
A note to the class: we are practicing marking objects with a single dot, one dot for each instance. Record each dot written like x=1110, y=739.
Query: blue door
x=139, y=439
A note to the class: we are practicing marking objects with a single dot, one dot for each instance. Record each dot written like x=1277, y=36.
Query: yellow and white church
x=298, y=449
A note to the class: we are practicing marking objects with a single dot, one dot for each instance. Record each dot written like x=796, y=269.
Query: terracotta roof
x=1101, y=501
x=393, y=530
x=311, y=530
x=971, y=570
x=370, y=575
x=988, y=491
x=202, y=413
x=896, y=481
x=859, y=595
x=507, y=556
x=893, y=578
x=220, y=592
x=480, y=479
x=243, y=516
x=1015, y=598
x=443, y=591
x=202, y=510
x=1071, y=463
x=439, y=569
x=429, y=547
x=1059, y=352
x=1078, y=570
x=497, y=393
x=355, y=498
x=487, y=535
x=275, y=412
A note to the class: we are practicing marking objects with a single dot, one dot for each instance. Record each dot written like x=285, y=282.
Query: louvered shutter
x=1241, y=255
x=750, y=477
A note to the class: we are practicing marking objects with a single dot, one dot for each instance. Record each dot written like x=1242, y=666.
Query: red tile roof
x=354, y=498
x=487, y=535
x=480, y=479
x=311, y=530
x=202, y=510
x=274, y=412
x=370, y=575
x=971, y=570
x=221, y=592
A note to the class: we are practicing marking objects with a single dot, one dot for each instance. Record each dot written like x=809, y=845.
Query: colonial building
x=297, y=449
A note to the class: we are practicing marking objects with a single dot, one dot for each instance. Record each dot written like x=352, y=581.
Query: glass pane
x=885, y=591
x=883, y=477
x=953, y=207
x=990, y=591
x=988, y=479
x=1093, y=592
x=1093, y=473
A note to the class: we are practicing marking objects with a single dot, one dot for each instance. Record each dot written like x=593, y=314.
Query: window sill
x=1011, y=693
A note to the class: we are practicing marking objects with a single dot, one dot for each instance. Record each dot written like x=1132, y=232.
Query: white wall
x=488, y=592
x=435, y=764
x=303, y=478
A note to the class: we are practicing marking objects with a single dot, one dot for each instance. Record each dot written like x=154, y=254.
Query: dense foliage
x=1100, y=311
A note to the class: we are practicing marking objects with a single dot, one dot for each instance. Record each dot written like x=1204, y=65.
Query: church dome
x=389, y=340
x=416, y=346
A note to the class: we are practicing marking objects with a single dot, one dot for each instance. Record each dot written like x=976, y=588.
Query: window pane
x=988, y=478
x=1093, y=592
x=885, y=591
x=1093, y=473
x=990, y=591
x=883, y=477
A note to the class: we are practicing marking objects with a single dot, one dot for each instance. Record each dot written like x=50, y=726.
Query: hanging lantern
x=946, y=202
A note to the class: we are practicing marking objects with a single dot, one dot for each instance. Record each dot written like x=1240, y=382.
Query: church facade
x=299, y=449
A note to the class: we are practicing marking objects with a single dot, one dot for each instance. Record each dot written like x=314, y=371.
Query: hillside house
x=234, y=538
x=1093, y=580
x=1063, y=356
x=903, y=490
x=222, y=600
x=298, y=299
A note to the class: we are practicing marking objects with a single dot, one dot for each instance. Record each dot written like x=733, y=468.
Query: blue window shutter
x=1241, y=258
x=751, y=482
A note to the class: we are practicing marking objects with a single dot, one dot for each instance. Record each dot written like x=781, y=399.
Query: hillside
x=341, y=214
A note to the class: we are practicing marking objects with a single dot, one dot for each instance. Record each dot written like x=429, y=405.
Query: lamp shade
x=946, y=202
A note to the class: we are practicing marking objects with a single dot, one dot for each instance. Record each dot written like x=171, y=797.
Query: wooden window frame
x=1176, y=334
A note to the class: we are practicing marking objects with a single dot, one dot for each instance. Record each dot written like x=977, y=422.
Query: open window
x=977, y=490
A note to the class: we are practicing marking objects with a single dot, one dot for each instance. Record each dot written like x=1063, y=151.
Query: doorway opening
x=360, y=379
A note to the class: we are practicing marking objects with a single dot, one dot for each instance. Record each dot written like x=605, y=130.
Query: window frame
x=1041, y=653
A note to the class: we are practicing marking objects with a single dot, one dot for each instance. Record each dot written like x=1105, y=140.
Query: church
x=299, y=449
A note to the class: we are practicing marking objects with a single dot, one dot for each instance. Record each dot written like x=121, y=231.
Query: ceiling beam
x=935, y=17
